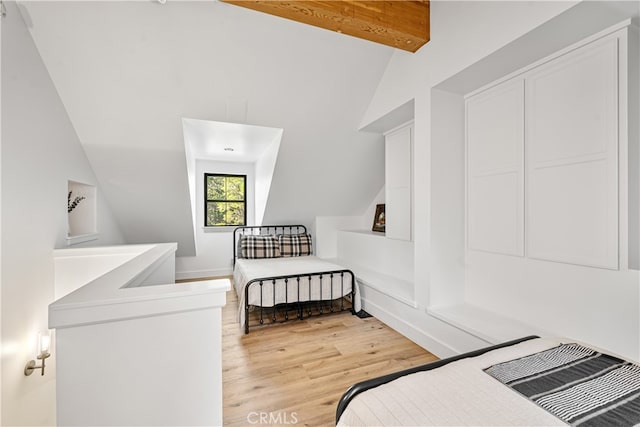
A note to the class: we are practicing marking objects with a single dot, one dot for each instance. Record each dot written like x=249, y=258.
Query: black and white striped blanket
x=579, y=385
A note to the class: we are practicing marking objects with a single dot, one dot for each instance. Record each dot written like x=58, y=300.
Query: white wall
x=325, y=231
x=379, y=254
x=370, y=212
x=127, y=86
x=462, y=34
x=634, y=150
x=40, y=153
x=1, y=354
x=215, y=245
x=193, y=192
x=325, y=228
x=264, y=169
x=447, y=198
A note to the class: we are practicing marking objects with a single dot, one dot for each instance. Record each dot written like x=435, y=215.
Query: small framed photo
x=379, y=219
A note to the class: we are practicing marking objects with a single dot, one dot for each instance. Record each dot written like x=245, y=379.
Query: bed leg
x=246, y=318
x=320, y=302
x=353, y=294
x=309, y=299
x=331, y=299
x=342, y=291
x=273, y=290
x=299, y=313
x=286, y=299
x=261, y=305
x=246, y=309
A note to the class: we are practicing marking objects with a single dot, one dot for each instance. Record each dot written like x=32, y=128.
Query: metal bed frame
x=363, y=386
x=280, y=312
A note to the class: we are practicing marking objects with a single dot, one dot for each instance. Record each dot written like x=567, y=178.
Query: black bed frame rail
x=360, y=387
x=263, y=229
x=300, y=306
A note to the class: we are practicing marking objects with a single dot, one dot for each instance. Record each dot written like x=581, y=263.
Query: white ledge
x=117, y=294
x=366, y=232
x=81, y=238
x=484, y=324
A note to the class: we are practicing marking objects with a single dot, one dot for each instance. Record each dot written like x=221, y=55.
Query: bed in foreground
x=276, y=275
x=527, y=382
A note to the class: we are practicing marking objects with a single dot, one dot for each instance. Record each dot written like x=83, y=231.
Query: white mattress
x=457, y=394
x=248, y=269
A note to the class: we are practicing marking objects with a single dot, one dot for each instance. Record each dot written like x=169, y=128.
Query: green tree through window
x=225, y=200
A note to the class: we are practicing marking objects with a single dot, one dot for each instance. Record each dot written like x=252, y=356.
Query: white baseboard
x=416, y=335
x=198, y=274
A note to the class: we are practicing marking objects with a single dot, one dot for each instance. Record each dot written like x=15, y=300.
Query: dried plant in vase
x=71, y=205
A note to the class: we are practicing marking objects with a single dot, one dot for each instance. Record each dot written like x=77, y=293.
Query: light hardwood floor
x=295, y=373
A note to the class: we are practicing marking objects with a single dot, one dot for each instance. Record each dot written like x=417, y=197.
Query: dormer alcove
x=382, y=261
x=233, y=148
x=511, y=224
x=81, y=213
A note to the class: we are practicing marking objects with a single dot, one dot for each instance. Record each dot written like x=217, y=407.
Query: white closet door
x=495, y=196
x=398, y=184
x=572, y=152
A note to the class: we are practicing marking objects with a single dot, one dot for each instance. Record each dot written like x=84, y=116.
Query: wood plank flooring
x=295, y=373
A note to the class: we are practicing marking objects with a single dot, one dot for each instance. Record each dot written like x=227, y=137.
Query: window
x=225, y=200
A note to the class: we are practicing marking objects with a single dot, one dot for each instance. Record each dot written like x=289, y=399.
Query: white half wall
x=215, y=244
x=111, y=331
x=40, y=153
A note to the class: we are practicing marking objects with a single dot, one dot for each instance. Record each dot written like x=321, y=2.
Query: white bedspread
x=248, y=269
x=457, y=394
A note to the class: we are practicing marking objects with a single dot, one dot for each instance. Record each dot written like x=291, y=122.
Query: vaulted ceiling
x=128, y=72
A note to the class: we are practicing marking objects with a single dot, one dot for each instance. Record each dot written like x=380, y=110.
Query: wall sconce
x=44, y=344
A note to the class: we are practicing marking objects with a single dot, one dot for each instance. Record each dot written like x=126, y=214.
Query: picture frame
x=379, y=219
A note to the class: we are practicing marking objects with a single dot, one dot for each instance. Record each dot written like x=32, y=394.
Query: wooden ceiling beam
x=403, y=24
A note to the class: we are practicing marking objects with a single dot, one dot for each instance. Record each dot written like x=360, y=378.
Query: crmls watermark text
x=272, y=418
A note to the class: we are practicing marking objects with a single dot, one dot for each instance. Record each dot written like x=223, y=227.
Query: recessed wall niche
x=81, y=212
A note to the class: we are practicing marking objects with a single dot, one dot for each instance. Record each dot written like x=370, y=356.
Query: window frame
x=207, y=200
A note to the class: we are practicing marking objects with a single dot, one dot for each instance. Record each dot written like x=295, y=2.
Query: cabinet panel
x=495, y=123
x=569, y=216
x=495, y=225
x=398, y=214
x=495, y=139
x=572, y=143
x=398, y=158
x=398, y=172
x=572, y=104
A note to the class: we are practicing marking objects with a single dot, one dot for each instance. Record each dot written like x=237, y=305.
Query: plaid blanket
x=579, y=385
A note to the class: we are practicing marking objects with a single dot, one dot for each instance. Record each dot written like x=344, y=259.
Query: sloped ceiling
x=128, y=72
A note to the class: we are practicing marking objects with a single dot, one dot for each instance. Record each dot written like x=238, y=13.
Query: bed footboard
x=294, y=283
x=360, y=387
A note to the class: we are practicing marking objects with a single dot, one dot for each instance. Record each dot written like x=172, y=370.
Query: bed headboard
x=264, y=229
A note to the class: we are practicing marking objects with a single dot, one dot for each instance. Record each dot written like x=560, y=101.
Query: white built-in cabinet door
x=572, y=139
x=398, y=183
x=495, y=141
x=547, y=140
